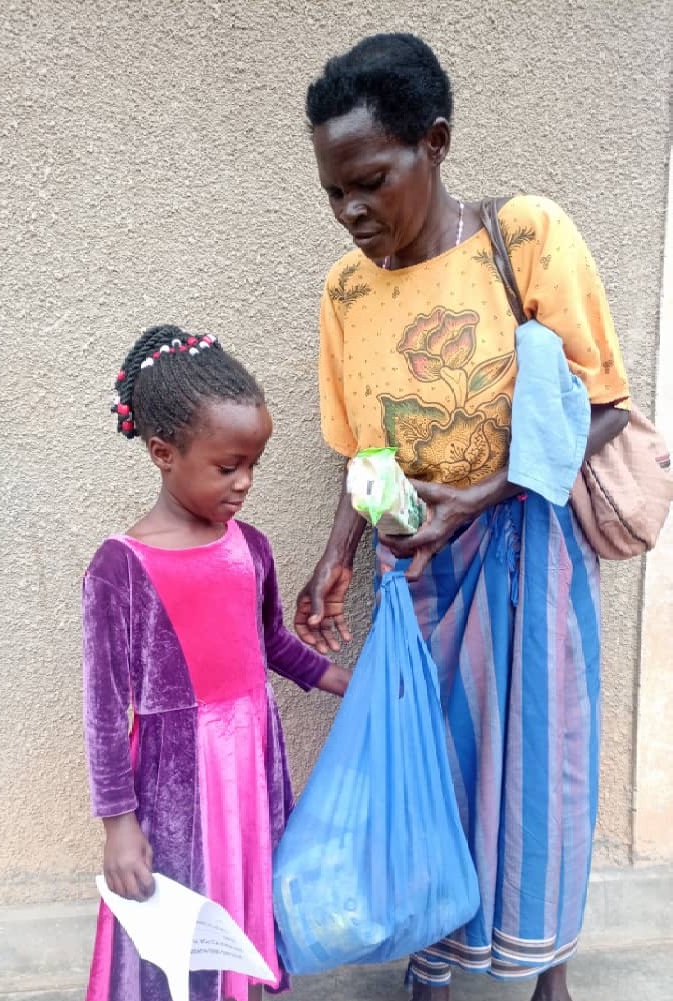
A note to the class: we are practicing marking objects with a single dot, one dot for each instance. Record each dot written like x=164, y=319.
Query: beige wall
x=653, y=792
x=154, y=165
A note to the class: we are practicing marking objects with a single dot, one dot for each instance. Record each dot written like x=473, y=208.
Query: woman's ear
x=162, y=454
x=437, y=141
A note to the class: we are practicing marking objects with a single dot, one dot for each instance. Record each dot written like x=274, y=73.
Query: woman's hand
x=448, y=510
x=127, y=858
x=335, y=680
x=319, y=619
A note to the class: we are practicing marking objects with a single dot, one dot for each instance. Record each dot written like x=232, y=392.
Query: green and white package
x=382, y=494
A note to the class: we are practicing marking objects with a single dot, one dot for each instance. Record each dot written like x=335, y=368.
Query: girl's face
x=381, y=190
x=211, y=478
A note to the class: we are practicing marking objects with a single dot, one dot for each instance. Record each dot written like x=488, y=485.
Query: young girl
x=182, y=621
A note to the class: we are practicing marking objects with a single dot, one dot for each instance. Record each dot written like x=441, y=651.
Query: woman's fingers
x=316, y=597
x=305, y=631
x=319, y=634
x=431, y=493
x=342, y=627
x=404, y=546
x=319, y=618
x=419, y=562
x=330, y=636
x=420, y=548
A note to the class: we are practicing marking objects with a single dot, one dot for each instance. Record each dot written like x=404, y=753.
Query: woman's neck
x=438, y=234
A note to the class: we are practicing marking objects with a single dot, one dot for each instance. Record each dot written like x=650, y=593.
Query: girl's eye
x=334, y=194
x=227, y=471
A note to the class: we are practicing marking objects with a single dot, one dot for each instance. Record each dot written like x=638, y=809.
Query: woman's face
x=382, y=190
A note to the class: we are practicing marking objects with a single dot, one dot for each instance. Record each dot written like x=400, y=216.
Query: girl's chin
x=227, y=511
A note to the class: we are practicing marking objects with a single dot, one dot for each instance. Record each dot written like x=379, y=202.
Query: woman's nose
x=352, y=211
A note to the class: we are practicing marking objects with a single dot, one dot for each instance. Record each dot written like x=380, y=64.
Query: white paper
x=180, y=930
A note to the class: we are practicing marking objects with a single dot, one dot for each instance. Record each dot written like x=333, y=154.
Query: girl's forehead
x=227, y=423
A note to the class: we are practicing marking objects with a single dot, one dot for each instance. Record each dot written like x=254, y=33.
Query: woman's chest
x=430, y=369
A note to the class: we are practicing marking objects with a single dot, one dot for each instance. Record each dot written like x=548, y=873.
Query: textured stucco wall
x=653, y=795
x=154, y=165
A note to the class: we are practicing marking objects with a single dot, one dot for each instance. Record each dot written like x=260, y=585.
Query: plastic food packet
x=382, y=494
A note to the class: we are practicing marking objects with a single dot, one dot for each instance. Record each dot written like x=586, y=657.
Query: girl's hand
x=319, y=619
x=335, y=680
x=127, y=858
x=448, y=510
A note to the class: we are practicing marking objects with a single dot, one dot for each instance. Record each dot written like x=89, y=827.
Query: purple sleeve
x=107, y=696
x=285, y=652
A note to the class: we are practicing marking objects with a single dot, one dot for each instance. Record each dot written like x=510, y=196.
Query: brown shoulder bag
x=622, y=494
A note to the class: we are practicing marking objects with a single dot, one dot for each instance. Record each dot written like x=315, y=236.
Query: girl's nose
x=243, y=481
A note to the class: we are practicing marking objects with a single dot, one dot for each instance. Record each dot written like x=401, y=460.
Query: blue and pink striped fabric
x=510, y=611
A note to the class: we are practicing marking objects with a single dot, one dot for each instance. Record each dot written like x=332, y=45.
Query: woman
x=417, y=351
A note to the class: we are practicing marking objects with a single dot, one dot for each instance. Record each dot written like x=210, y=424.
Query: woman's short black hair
x=167, y=377
x=396, y=76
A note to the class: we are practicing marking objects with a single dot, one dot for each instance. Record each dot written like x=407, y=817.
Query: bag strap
x=488, y=213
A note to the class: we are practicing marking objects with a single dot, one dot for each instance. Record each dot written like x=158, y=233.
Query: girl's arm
x=127, y=862
x=107, y=697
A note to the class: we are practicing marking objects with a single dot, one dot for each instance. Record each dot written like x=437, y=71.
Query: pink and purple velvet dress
x=185, y=638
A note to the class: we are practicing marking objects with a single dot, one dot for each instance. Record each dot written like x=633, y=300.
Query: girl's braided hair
x=168, y=375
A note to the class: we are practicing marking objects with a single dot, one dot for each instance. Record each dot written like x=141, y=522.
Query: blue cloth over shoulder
x=374, y=863
x=551, y=415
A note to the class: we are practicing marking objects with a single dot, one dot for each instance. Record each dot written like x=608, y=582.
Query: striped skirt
x=510, y=611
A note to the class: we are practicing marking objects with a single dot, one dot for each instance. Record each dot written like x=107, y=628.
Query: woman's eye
x=334, y=194
x=375, y=183
x=227, y=470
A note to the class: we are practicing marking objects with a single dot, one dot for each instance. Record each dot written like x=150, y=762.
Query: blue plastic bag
x=374, y=863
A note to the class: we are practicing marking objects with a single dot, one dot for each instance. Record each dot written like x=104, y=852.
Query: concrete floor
x=644, y=974
x=597, y=976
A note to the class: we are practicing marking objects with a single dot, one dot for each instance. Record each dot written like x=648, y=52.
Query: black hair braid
x=149, y=341
x=163, y=396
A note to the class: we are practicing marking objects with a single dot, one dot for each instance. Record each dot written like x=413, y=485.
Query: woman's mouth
x=363, y=240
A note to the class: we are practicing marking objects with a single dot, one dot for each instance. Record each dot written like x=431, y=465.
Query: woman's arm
x=319, y=619
x=347, y=528
x=450, y=507
x=606, y=423
x=285, y=654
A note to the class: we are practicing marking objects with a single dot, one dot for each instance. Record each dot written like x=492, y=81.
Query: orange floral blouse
x=423, y=358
